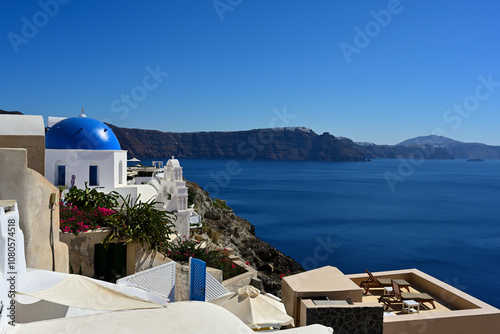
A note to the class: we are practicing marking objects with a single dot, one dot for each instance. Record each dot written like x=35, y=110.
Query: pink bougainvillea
x=74, y=220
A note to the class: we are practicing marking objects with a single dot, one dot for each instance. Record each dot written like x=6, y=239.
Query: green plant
x=142, y=223
x=220, y=204
x=213, y=235
x=61, y=190
x=190, y=197
x=91, y=198
x=186, y=247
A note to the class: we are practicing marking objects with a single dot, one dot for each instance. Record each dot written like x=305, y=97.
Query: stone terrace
x=456, y=311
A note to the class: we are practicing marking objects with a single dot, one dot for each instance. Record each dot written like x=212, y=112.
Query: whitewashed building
x=81, y=150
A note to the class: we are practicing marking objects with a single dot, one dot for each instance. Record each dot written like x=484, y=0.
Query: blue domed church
x=80, y=150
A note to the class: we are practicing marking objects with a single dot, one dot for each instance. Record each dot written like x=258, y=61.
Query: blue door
x=197, y=279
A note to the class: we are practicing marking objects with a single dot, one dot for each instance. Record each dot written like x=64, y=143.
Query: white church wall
x=78, y=162
x=145, y=191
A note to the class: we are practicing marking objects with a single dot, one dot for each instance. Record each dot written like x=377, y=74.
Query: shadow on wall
x=32, y=191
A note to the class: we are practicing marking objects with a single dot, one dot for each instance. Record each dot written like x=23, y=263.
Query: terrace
x=455, y=312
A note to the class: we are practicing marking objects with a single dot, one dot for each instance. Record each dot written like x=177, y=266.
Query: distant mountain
x=458, y=149
x=429, y=140
x=372, y=151
x=264, y=144
x=3, y=112
x=292, y=143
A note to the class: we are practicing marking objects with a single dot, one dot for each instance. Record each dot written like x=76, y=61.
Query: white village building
x=81, y=150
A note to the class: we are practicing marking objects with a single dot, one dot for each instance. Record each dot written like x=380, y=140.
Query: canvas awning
x=254, y=309
x=82, y=292
x=179, y=317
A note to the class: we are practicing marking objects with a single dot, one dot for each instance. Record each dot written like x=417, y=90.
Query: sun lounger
x=373, y=282
x=399, y=297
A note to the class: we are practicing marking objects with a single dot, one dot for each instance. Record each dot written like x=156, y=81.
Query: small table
x=411, y=306
x=402, y=283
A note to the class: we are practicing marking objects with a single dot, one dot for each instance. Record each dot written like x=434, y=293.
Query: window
x=61, y=175
x=93, y=176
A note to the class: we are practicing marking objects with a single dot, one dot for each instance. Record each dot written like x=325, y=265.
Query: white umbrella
x=254, y=309
x=179, y=317
x=134, y=160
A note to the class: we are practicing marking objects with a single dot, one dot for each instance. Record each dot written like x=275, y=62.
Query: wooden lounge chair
x=373, y=282
x=399, y=296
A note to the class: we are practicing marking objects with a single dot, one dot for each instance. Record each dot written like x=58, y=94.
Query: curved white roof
x=21, y=125
x=173, y=163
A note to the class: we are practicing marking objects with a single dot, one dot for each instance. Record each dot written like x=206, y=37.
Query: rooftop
x=327, y=296
x=454, y=308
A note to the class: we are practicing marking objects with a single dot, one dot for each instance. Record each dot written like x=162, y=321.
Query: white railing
x=159, y=280
x=214, y=289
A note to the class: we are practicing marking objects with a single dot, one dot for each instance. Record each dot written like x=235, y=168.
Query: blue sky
x=377, y=71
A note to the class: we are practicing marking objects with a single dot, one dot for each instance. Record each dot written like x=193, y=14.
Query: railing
x=214, y=288
x=159, y=280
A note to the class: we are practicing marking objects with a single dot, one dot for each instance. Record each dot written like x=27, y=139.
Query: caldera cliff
x=228, y=230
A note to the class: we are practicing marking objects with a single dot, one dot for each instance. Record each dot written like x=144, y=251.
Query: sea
x=439, y=216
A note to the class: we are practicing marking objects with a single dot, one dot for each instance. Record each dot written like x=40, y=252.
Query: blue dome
x=81, y=133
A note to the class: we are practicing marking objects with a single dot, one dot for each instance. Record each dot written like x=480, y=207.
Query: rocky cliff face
x=237, y=233
x=263, y=144
x=405, y=152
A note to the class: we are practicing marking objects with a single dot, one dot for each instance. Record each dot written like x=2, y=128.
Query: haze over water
x=443, y=219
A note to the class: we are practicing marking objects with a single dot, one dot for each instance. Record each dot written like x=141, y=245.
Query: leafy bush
x=138, y=222
x=190, y=196
x=135, y=221
x=91, y=198
x=220, y=204
x=142, y=223
x=187, y=247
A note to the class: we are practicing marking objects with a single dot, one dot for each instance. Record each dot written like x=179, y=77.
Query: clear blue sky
x=234, y=64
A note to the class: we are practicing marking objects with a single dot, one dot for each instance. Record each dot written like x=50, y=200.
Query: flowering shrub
x=187, y=247
x=134, y=221
x=76, y=220
x=283, y=275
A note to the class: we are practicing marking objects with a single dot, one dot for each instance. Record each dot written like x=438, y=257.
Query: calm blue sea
x=442, y=217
